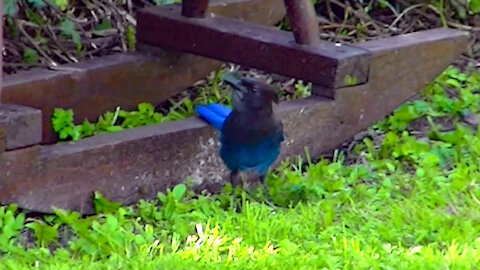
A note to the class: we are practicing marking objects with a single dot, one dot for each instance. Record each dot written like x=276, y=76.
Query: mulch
x=45, y=35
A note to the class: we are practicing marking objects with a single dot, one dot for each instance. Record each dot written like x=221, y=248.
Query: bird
x=250, y=134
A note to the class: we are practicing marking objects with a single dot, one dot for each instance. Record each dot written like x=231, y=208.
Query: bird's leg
x=233, y=179
x=265, y=188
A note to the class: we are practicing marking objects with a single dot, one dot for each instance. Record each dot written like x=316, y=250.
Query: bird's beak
x=233, y=79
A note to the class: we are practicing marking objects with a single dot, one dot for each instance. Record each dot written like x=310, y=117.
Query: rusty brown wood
x=22, y=126
x=124, y=80
x=303, y=21
x=3, y=126
x=3, y=134
x=1, y=54
x=194, y=8
x=138, y=163
x=252, y=45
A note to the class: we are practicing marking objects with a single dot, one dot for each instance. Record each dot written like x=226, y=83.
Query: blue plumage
x=250, y=157
x=250, y=135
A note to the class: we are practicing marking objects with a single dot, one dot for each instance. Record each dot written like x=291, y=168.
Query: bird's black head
x=250, y=93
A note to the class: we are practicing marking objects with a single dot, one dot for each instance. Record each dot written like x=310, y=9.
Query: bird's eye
x=254, y=90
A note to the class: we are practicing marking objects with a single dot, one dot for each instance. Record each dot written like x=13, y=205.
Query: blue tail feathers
x=214, y=114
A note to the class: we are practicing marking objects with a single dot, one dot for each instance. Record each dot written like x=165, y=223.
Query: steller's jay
x=250, y=135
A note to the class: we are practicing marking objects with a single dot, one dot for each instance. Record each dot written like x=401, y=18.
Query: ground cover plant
x=402, y=195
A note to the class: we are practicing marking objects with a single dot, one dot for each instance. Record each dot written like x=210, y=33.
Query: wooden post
x=1, y=51
x=194, y=8
x=3, y=130
x=303, y=21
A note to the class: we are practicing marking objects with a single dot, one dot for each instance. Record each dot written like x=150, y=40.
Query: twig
x=395, y=12
x=30, y=39
x=329, y=10
x=405, y=11
x=55, y=40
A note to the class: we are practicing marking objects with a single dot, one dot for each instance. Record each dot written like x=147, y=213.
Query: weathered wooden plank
x=252, y=45
x=101, y=84
x=400, y=66
x=2, y=125
x=138, y=163
x=1, y=54
x=3, y=134
x=19, y=126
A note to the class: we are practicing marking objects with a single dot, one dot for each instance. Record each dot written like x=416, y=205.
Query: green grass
x=399, y=199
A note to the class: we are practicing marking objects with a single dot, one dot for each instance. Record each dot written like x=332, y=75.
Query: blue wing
x=214, y=114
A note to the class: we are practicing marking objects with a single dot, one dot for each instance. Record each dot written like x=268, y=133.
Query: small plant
x=62, y=122
x=44, y=233
x=67, y=28
x=11, y=224
x=130, y=37
x=30, y=56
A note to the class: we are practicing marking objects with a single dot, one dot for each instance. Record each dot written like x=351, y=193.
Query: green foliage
x=130, y=37
x=382, y=3
x=349, y=80
x=145, y=115
x=67, y=28
x=44, y=233
x=30, y=56
x=104, y=25
x=452, y=94
x=62, y=124
x=474, y=6
x=102, y=205
x=10, y=7
x=37, y=3
x=61, y=4
x=11, y=224
x=302, y=90
x=165, y=2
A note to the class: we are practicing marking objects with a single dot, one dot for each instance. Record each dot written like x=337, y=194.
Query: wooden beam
x=19, y=126
x=1, y=54
x=252, y=45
